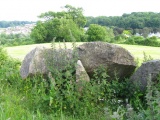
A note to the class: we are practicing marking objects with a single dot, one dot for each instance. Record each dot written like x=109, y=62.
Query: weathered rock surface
x=115, y=59
x=148, y=70
x=33, y=63
x=81, y=74
x=40, y=60
x=59, y=59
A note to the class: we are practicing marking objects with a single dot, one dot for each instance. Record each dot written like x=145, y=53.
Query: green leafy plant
x=146, y=57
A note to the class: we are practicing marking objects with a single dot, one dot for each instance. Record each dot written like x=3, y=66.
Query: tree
x=76, y=15
x=118, y=31
x=127, y=32
x=61, y=29
x=51, y=15
x=70, y=31
x=146, y=31
x=135, y=20
x=96, y=33
x=63, y=25
x=39, y=32
x=109, y=34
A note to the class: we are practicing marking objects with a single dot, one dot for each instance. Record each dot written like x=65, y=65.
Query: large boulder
x=115, y=59
x=148, y=70
x=59, y=59
x=33, y=63
x=41, y=60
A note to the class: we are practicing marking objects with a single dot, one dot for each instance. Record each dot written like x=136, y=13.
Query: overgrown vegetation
x=56, y=96
x=96, y=32
x=136, y=40
x=15, y=39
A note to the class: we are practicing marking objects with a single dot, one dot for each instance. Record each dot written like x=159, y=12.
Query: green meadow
x=137, y=51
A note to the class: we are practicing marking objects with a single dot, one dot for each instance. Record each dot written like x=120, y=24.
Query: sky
x=28, y=10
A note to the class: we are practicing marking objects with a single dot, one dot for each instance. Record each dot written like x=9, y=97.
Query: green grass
x=137, y=51
x=19, y=52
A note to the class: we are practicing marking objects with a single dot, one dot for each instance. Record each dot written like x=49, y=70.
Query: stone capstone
x=116, y=60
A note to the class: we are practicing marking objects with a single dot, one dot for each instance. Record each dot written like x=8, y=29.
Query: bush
x=96, y=33
x=152, y=41
x=138, y=40
x=3, y=56
x=118, y=39
x=15, y=40
x=8, y=66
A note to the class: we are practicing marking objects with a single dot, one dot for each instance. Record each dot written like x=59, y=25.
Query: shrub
x=138, y=40
x=8, y=66
x=96, y=33
x=152, y=41
x=118, y=39
x=15, y=39
x=3, y=56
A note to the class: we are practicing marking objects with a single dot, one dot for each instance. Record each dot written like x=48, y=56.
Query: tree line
x=135, y=22
x=5, y=24
x=69, y=25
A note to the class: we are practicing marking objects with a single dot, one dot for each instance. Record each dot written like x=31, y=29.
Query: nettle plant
x=8, y=66
x=61, y=64
x=153, y=99
x=57, y=92
x=62, y=94
x=151, y=110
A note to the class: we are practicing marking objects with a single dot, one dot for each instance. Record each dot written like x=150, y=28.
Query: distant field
x=19, y=52
x=137, y=51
